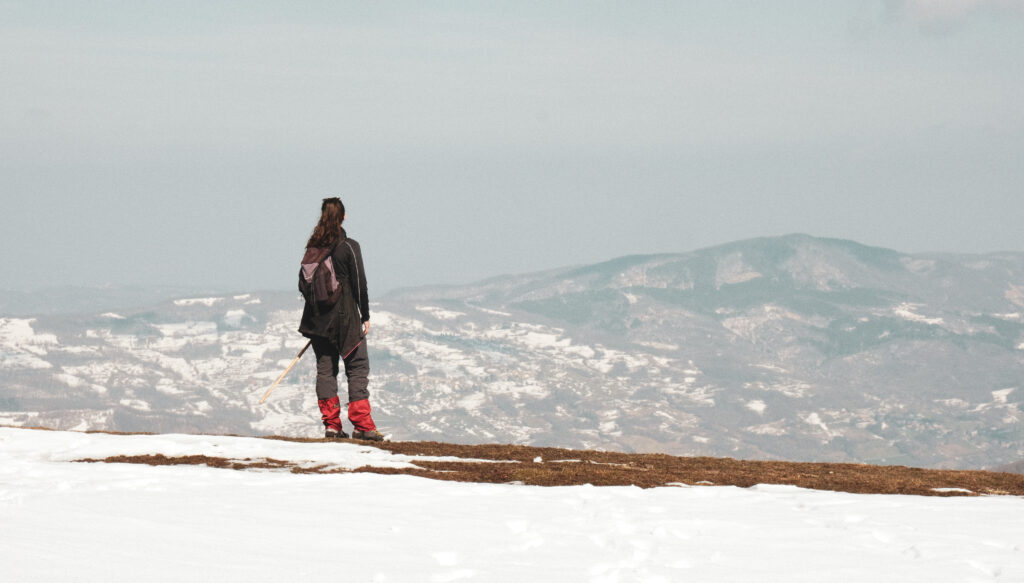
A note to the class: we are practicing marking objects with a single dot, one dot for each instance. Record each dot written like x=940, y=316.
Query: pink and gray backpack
x=317, y=280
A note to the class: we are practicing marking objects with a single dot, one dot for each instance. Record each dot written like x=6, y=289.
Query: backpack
x=317, y=280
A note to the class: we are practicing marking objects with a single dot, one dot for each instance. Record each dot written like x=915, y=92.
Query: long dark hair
x=328, y=231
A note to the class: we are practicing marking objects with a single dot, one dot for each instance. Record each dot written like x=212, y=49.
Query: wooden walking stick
x=280, y=378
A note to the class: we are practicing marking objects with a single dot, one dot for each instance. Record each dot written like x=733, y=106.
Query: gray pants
x=357, y=370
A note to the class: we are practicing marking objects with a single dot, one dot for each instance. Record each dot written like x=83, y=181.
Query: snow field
x=121, y=522
x=63, y=446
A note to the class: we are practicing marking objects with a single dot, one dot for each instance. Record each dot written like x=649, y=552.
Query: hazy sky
x=191, y=142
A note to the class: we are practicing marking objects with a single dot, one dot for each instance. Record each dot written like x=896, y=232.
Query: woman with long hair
x=338, y=330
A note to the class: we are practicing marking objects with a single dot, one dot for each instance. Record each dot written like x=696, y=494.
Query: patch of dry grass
x=566, y=467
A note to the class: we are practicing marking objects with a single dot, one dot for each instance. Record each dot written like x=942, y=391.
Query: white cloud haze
x=477, y=139
x=947, y=12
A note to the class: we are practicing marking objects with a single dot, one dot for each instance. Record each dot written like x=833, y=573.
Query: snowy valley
x=791, y=348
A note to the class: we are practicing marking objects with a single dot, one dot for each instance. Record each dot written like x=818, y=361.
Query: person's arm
x=360, y=283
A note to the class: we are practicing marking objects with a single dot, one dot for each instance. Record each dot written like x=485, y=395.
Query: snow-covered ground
x=63, y=521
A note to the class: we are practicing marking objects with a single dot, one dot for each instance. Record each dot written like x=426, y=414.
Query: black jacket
x=342, y=324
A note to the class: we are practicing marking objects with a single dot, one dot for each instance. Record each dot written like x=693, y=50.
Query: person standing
x=338, y=331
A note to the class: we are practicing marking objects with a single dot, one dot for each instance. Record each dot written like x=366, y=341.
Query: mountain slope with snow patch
x=793, y=348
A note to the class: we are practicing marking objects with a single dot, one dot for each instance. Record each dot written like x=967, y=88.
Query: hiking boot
x=335, y=434
x=371, y=435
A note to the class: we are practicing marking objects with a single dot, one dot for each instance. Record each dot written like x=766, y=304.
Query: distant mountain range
x=794, y=347
x=68, y=299
x=1014, y=468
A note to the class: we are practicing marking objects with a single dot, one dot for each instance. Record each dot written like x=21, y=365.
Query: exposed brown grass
x=565, y=467
x=159, y=459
